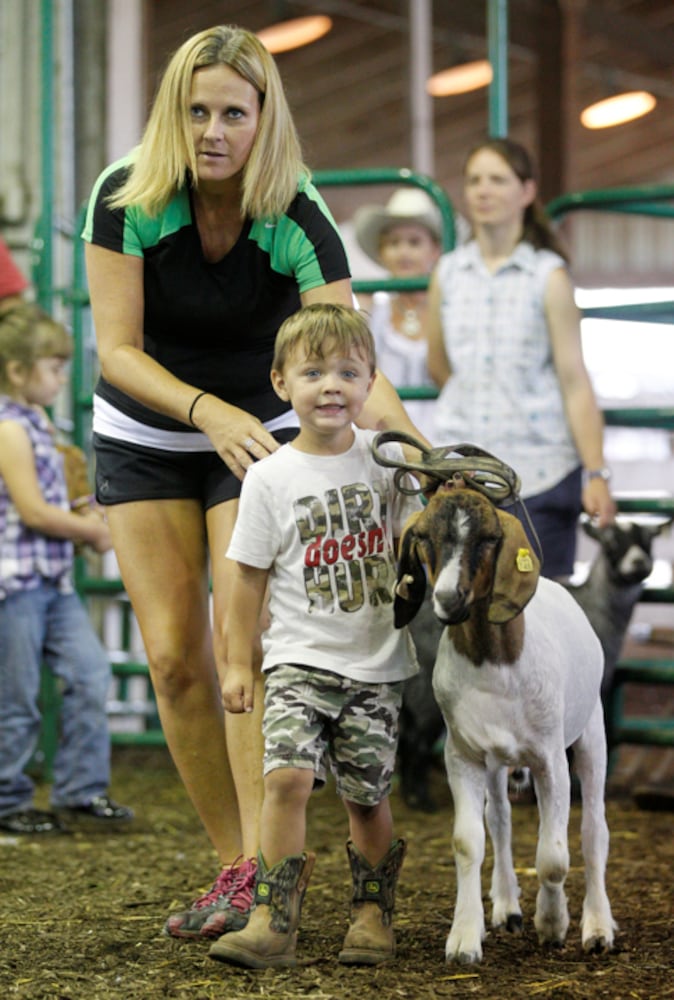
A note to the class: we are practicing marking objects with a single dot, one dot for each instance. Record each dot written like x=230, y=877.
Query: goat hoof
x=466, y=958
x=464, y=949
x=555, y=945
x=514, y=923
x=598, y=945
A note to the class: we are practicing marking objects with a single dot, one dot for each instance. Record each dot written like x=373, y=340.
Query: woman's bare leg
x=243, y=732
x=161, y=550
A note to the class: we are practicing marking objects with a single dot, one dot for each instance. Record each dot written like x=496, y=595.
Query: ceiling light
x=618, y=109
x=460, y=79
x=292, y=34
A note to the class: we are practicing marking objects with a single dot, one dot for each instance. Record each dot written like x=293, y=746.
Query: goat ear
x=516, y=574
x=411, y=584
x=657, y=529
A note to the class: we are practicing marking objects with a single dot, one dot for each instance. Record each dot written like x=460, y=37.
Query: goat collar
x=454, y=466
x=484, y=472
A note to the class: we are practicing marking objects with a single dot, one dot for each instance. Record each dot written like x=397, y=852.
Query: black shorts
x=127, y=472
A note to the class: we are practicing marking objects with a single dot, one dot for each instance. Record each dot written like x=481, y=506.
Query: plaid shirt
x=27, y=557
x=503, y=394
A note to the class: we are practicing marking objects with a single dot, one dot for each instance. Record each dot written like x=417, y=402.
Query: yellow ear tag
x=523, y=561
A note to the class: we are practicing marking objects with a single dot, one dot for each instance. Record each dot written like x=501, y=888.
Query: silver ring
x=248, y=443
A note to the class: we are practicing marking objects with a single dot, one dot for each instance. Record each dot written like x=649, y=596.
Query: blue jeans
x=44, y=626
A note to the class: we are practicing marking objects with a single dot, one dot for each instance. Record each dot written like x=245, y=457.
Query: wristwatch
x=604, y=473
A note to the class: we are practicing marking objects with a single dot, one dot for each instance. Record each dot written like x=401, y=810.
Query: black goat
x=421, y=722
x=613, y=587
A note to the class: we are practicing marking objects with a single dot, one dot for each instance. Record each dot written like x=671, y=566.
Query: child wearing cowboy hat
x=404, y=237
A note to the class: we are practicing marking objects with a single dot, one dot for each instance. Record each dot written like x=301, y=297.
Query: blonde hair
x=165, y=161
x=324, y=328
x=27, y=333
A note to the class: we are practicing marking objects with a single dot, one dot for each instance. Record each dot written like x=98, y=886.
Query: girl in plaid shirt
x=41, y=617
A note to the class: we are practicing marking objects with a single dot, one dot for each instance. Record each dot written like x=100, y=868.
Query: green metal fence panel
x=655, y=200
x=646, y=199
x=389, y=175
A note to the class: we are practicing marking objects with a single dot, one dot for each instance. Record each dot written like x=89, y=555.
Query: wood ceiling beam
x=621, y=29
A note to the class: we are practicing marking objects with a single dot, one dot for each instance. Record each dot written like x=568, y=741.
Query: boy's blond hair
x=324, y=328
x=165, y=160
x=27, y=333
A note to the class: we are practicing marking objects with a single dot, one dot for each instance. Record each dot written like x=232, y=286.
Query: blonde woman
x=199, y=245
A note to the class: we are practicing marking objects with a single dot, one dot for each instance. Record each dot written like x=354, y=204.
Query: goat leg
x=504, y=888
x=467, y=782
x=553, y=792
x=597, y=924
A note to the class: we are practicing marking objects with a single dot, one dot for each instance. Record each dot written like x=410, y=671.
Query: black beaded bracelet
x=194, y=403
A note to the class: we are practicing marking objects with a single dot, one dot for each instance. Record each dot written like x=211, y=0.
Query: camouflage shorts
x=314, y=719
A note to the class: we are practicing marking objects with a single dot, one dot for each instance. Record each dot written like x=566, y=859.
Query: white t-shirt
x=325, y=526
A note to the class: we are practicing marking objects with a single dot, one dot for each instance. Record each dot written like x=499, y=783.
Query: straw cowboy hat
x=407, y=205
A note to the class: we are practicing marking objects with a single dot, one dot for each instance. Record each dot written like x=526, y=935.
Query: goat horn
x=481, y=470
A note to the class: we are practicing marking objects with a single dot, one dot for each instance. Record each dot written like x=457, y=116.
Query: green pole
x=497, y=38
x=81, y=389
x=43, y=280
x=44, y=271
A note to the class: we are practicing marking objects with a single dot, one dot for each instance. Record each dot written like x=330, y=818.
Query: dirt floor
x=81, y=916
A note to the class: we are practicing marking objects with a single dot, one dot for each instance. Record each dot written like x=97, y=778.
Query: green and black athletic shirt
x=214, y=325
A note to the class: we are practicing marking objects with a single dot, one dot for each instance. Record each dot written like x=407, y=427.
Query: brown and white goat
x=517, y=678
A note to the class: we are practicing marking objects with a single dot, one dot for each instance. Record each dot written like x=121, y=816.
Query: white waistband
x=112, y=423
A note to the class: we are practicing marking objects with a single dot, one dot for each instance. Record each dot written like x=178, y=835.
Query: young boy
x=41, y=617
x=318, y=521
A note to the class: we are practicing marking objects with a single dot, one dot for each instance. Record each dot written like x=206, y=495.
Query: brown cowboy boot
x=370, y=939
x=270, y=936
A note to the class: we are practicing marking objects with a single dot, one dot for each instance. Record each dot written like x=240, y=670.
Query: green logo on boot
x=372, y=887
x=263, y=891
